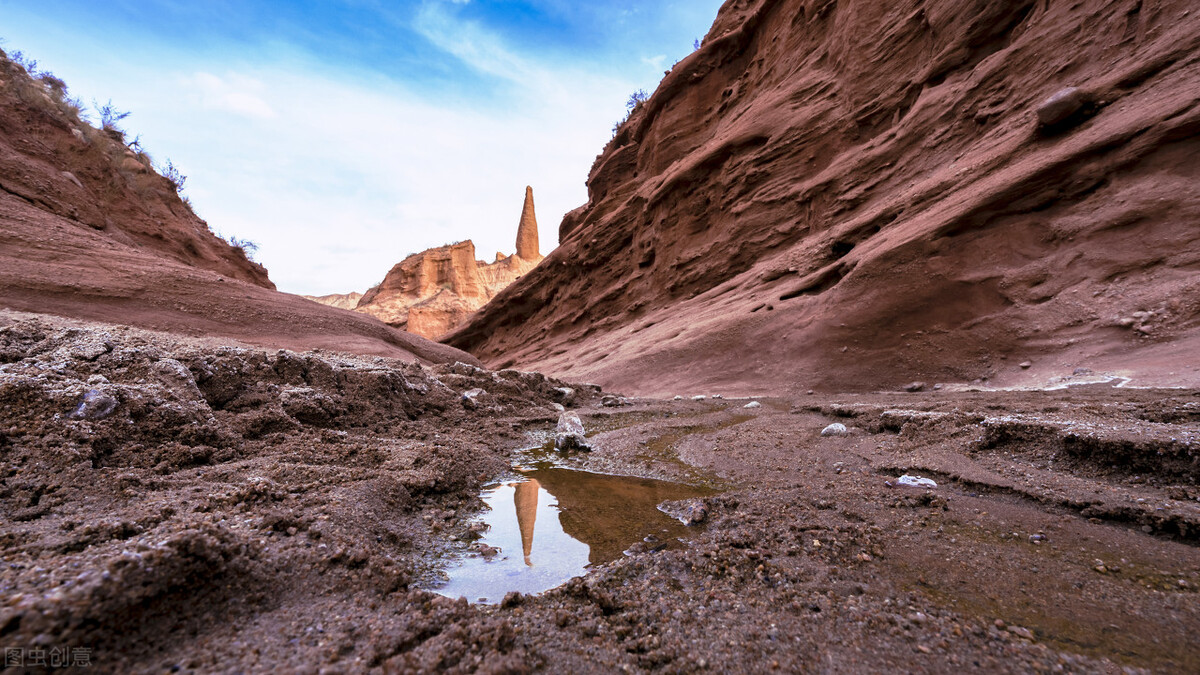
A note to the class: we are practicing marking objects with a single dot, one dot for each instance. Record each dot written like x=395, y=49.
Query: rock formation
x=527, y=231
x=433, y=292
x=860, y=194
x=339, y=300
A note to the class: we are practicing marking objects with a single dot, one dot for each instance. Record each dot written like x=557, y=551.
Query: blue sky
x=342, y=135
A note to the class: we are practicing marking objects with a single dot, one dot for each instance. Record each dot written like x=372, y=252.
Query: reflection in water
x=581, y=519
x=525, y=498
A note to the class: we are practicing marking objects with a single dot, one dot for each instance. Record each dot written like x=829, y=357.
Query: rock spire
x=527, y=233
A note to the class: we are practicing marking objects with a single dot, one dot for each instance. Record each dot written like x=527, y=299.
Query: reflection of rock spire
x=525, y=496
x=527, y=234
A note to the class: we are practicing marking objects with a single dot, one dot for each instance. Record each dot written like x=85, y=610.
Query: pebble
x=915, y=481
x=1025, y=365
x=96, y=405
x=753, y=404
x=914, y=387
x=470, y=398
x=835, y=429
x=700, y=397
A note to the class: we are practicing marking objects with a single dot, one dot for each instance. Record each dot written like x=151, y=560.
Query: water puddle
x=551, y=524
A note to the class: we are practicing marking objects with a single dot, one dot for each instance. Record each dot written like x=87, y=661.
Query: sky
x=343, y=135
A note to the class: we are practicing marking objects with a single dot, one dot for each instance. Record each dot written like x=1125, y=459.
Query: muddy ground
x=176, y=505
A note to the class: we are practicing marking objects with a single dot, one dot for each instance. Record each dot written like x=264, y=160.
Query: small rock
x=938, y=387
x=1026, y=365
x=470, y=398
x=97, y=379
x=610, y=401
x=557, y=407
x=96, y=405
x=569, y=435
x=753, y=404
x=511, y=599
x=835, y=429
x=688, y=512
x=677, y=398
x=915, y=481
x=914, y=386
x=1062, y=106
x=696, y=513
x=1035, y=538
x=1020, y=632
x=71, y=177
x=700, y=397
x=565, y=395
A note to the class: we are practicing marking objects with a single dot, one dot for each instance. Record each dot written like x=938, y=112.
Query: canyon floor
x=172, y=504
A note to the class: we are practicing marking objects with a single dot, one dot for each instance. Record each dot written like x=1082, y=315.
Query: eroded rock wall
x=855, y=194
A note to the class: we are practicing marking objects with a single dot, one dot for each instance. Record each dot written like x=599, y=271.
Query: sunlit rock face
x=432, y=292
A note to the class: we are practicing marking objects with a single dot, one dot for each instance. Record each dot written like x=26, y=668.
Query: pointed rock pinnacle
x=527, y=233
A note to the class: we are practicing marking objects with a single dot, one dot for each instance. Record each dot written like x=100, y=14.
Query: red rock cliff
x=855, y=194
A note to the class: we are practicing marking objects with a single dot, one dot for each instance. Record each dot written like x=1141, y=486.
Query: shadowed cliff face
x=856, y=195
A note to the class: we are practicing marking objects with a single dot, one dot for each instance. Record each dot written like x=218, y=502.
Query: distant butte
x=435, y=291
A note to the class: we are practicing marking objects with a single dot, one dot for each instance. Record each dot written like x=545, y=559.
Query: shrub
x=248, y=248
x=173, y=174
x=110, y=116
x=636, y=99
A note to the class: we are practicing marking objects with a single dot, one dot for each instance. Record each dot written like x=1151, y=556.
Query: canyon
x=894, y=304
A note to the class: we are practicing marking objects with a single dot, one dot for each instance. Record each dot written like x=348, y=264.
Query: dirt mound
x=859, y=195
x=89, y=230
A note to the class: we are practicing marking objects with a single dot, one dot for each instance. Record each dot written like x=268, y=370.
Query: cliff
x=854, y=195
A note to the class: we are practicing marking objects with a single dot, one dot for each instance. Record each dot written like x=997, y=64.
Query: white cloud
x=235, y=93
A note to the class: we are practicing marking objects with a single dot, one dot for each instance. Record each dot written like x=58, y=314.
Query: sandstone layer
x=858, y=194
x=89, y=230
x=432, y=292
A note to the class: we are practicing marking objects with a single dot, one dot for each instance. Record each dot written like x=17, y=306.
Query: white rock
x=835, y=429
x=915, y=481
x=569, y=435
x=753, y=404
x=701, y=397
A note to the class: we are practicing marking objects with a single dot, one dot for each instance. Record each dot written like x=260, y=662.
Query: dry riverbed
x=177, y=505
